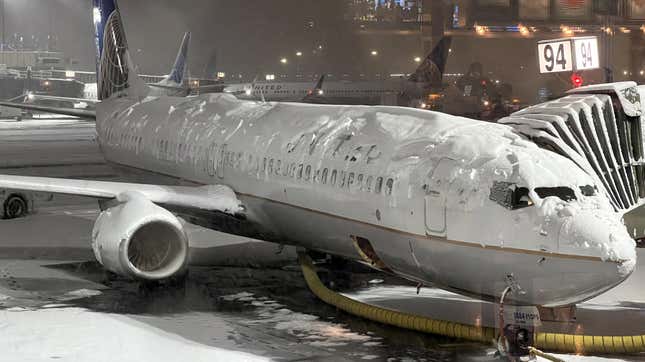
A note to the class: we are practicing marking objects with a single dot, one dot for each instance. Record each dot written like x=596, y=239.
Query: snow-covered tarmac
x=55, y=305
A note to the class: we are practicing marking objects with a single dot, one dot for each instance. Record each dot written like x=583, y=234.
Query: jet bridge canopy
x=600, y=129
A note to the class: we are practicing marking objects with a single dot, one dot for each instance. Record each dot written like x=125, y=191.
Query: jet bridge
x=600, y=128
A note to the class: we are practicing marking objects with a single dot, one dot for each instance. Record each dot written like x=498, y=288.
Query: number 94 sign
x=566, y=55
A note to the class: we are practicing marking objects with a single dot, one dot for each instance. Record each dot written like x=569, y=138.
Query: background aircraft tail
x=179, y=73
x=432, y=69
x=115, y=72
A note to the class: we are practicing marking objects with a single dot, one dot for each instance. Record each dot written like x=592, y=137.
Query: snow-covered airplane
x=465, y=205
x=174, y=84
x=427, y=78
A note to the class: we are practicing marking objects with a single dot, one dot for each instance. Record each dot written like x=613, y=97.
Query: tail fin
x=180, y=69
x=318, y=88
x=314, y=95
x=433, y=67
x=114, y=68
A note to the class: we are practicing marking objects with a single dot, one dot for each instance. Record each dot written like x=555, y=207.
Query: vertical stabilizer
x=432, y=69
x=114, y=69
x=179, y=73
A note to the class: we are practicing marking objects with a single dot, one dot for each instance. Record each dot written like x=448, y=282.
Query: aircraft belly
x=463, y=267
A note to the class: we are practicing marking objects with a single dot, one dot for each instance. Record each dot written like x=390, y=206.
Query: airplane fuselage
x=338, y=92
x=409, y=191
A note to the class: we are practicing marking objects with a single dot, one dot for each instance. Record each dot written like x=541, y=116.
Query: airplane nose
x=600, y=234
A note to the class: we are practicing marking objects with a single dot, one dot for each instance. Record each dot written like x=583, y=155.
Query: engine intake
x=139, y=239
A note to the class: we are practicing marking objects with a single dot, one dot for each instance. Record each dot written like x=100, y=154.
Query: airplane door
x=211, y=162
x=436, y=188
x=221, y=161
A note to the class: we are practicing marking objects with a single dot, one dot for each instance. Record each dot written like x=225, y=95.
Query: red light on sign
x=576, y=80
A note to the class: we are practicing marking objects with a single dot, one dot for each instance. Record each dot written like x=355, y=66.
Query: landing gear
x=516, y=326
x=517, y=342
x=14, y=207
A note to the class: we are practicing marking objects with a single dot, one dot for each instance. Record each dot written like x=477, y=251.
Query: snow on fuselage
x=463, y=204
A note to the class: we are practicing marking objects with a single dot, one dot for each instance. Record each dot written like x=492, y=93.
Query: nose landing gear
x=516, y=326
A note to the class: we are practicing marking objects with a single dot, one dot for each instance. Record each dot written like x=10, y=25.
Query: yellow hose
x=560, y=342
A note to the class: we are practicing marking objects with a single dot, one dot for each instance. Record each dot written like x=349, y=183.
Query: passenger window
x=342, y=179
x=509, y=195
x=359, y=181
x=389, y=184
x=317, y=176
x=350, y=179
x=270, y=166
x=300, y=171
x=278, y=167
x=332, y=181
x=368, y=184
x=324, y=176
x=379, y=185
x=292, y=171
x=307, y=172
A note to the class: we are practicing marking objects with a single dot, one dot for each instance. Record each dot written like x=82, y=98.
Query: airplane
x=426, y=79
x=174, y=84
x=465, y=205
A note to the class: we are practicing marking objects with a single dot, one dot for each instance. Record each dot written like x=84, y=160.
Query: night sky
x=247, y=35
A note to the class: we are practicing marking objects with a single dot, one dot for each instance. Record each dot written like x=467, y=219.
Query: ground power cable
x=554, y=342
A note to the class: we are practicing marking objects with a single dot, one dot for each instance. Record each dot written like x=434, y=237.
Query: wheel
x=15, y=207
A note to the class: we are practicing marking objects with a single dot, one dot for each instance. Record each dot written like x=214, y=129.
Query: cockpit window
x=588, y=190
x=510, y=196
x=564, y=193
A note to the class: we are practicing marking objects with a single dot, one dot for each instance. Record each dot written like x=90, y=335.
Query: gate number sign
x=566, y=55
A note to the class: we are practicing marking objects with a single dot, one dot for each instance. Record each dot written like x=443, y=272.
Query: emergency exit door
x=221, y=162
x=436, y=189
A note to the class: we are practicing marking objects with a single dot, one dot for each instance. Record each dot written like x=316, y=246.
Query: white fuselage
x=416, y=185
x=366, y=92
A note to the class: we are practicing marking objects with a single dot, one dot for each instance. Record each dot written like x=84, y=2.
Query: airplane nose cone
x=600, y=234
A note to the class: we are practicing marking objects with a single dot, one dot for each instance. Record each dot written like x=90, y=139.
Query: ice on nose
x=598, y=233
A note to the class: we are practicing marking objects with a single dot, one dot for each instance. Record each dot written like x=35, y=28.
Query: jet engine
x=138, y=239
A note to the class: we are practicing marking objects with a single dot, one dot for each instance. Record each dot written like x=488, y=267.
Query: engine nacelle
x=139, y=239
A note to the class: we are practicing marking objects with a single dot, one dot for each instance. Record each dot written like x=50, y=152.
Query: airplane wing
x=211, y=198
x=62, y=99
x=81, y=113
x=163, y=86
